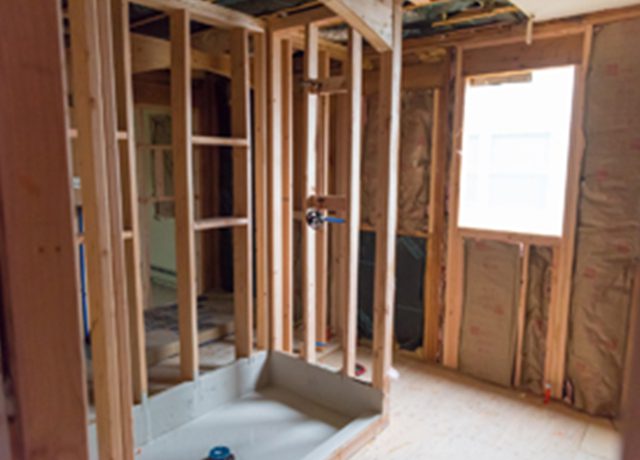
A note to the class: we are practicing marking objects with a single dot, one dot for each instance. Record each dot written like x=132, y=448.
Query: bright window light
x=515, y=151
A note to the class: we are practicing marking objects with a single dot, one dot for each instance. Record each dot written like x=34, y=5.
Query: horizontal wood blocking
x=551, y=52
x=213, y=141
x=151, y=53
x=331, y=202
x=120, y=135
x=328, y=86
x=220, y=222
x=427, y=75
x=509, y=237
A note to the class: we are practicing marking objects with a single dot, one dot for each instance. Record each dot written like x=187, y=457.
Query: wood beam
x=261, y=189
x=242, y=193
x=317, y=15
x=309, y=180
x=388, y=163
x=151, y=53
x=39, y=287
x=183, y=187
x=351, y=241
x=436, y=240
x=372, y=19
x=208, y=13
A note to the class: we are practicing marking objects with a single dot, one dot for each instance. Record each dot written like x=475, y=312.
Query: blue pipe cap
x=220, y=453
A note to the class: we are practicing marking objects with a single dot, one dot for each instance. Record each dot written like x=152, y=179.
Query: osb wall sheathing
x=608, y=233
x=415, y=155
x=536, y=319
x=489, y=315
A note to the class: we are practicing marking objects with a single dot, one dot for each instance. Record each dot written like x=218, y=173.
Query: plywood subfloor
x=438, y=414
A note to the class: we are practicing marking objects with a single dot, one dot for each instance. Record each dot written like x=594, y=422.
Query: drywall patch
x=608, y=232
x=536, y=319
x=488, y=331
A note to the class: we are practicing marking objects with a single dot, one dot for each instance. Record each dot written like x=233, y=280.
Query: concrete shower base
x=271, y=406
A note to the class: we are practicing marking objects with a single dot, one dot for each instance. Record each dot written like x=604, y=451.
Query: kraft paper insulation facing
x=489, y=314
x=608, y=233
x=536, y=318
x=415, y=156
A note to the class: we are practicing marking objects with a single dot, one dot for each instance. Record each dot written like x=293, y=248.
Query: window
x=515, y=151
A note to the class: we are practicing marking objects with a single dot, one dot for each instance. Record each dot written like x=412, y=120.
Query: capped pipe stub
x=220, y=453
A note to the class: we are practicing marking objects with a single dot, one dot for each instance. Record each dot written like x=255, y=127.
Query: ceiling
x=543, y=10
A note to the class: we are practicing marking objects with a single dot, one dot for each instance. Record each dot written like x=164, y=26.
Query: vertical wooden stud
x=131, y=213
x=183, y=190
x=261, y=186
x=522, y=311
x=275, y=192
x=351, y=241
x=387, y=216
x=39, y=303
x=309, y=235
x=322, y=249
x=435, y=240
x=94, y=99
x=242, y=192
x=455, y=250
x=341, y=187
x=287, y=195
x=559, y=310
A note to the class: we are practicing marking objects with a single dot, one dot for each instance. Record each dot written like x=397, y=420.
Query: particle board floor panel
x=438, y=414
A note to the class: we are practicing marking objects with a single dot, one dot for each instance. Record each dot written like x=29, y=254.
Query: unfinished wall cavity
x=489, y=315
x=608, y=232
x=536, y=318
x=415, y=157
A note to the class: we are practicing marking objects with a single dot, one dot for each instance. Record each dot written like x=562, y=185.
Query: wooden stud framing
x=435, y=240
x=183, y=186
x=275, y=192
x=322, y=237
x=309, y=236
x=455, y=250
x=351, y=241
x=387, y=217
x=94, y=99
x=559, y=311
x=341, y=187
x=522, y=311
x=287, y=195
x=40, y=304
x=261, y=189
x=131, y=213
x=242, y=193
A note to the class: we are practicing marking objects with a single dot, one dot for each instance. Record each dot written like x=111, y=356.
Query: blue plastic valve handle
x=333, y=220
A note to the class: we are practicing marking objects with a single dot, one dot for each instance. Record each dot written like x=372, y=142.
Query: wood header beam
x=373, y=19
x=209, y=13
